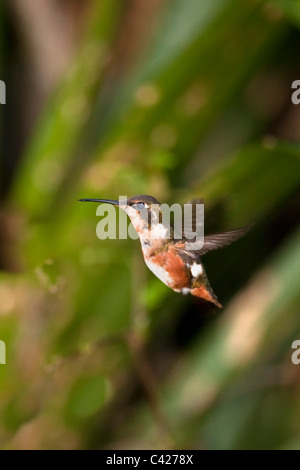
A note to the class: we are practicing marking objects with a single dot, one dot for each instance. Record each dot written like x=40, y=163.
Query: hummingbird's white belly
x=159, y=272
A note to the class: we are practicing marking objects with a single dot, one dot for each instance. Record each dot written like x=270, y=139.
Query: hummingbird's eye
x=139, y=205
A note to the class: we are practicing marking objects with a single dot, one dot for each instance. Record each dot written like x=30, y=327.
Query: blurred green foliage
x=100, y=354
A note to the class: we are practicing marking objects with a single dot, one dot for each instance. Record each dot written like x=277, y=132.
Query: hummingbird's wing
x=218, y=240
x=214, y=242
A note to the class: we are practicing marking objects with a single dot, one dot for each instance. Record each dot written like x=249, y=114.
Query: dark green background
x=177, y=99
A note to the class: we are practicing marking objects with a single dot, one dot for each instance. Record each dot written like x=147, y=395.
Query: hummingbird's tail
x=203, y=290
x=208, y=294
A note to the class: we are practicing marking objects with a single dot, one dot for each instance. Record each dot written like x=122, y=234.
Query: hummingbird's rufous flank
x=166, y=256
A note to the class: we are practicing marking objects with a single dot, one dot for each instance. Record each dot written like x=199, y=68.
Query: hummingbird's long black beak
x=108, y=201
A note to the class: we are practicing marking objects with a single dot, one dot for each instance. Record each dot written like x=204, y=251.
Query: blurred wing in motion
x=218, y=240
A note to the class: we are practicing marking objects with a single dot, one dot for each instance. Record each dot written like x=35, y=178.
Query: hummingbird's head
x=144, y=213
x=143, y=210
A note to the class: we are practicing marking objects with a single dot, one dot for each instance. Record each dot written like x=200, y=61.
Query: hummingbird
x=165, y=255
